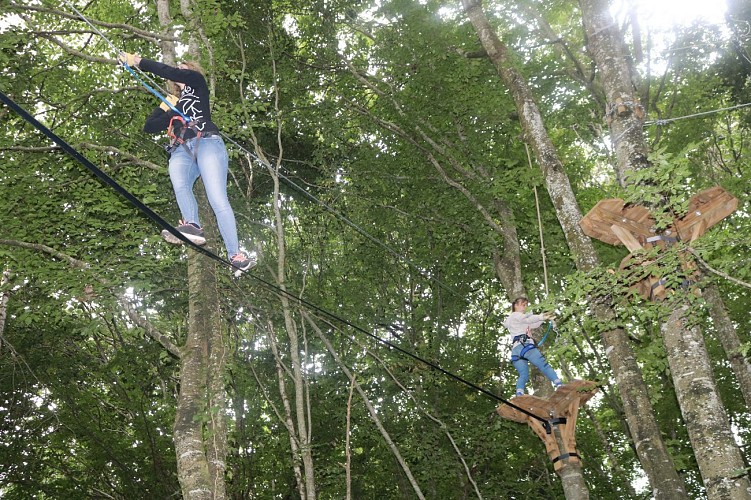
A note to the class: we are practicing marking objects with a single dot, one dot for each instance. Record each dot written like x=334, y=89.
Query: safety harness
x=179, y=140
x=523, y=339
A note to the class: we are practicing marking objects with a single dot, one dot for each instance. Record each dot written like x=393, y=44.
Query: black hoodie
x=193, y=101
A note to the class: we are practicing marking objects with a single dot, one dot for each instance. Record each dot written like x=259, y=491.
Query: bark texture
x=623, y=111
x=729, y=340
x=507, y=260
x=200, y=430
x=720, y=462
x=192, y=464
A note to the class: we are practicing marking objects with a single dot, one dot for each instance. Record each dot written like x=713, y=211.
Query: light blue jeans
x=211, y=164
x=536, y=358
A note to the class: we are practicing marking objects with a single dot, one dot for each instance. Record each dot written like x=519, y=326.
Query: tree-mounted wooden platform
x=612, y=222
x=559, y=411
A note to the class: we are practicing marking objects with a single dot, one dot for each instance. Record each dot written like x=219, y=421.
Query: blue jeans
x=536, y=358
x=211, y=164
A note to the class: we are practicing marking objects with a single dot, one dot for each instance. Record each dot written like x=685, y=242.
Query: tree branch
x=155, y=37
x=717, y=272
x=127, y=306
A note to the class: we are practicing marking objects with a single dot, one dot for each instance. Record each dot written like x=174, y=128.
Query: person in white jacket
x=523, y=347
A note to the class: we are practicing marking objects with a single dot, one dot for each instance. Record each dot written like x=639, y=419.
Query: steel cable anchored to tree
x=269, y=286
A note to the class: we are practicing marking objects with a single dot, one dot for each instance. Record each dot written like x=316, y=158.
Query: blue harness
x=527, y=347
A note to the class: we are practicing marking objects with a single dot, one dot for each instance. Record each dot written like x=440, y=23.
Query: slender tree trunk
x=299, y=386
x=720, y=462
x=729, y=339
x=294, y=439
x=650, y=448
x=4, y=297
x=371, y=410
x=347, y=445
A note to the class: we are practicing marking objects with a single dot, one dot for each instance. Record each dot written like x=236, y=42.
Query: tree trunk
x=4, y=297
x=303, y=430
x=623, y=111
x=200, y=430
x=216, y=427
x=720, y=462
x=371, y=410
x=289, y=424
x=507, y=261
x=192, y=465
x=650, y=448
x=729, y=340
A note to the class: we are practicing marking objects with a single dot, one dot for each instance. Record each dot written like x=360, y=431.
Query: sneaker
x=519, y=392
x=558, y=385
x=241, y=262
x=190, y=230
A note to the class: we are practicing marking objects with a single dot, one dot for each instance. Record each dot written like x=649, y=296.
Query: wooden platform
x=556, y=406
x=635, y=219
x=612, y=222
x=705, y=209
x=557, y=430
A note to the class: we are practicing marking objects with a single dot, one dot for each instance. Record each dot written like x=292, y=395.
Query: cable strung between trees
x=269, y=286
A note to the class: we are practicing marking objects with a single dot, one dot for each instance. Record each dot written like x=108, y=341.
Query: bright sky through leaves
x=663, y=14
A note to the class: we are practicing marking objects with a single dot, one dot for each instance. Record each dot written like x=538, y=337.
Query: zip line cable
x=287, y=180
x=268, y=285
x=703, y=113
x=346, y=220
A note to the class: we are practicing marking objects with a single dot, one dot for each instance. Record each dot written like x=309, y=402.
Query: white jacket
x=519, y=323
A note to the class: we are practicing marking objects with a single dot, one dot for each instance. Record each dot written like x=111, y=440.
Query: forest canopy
x=402, y=170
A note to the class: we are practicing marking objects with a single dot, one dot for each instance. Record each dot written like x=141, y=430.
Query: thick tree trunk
x=720, y=462
x=637, y=407
x=729, y=340
x=507, y=261
x=623, y=110
x=192, y=464
x=216, y=427
x=200, y=430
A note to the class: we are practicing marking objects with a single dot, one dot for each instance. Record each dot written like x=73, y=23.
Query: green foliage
x=664, y=187
x=378, y=106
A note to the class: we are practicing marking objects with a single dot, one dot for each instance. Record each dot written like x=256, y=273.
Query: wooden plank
x=698, y=230
x=706, y=209
x=556, y=405
x=636, y=219
x=626, y=238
